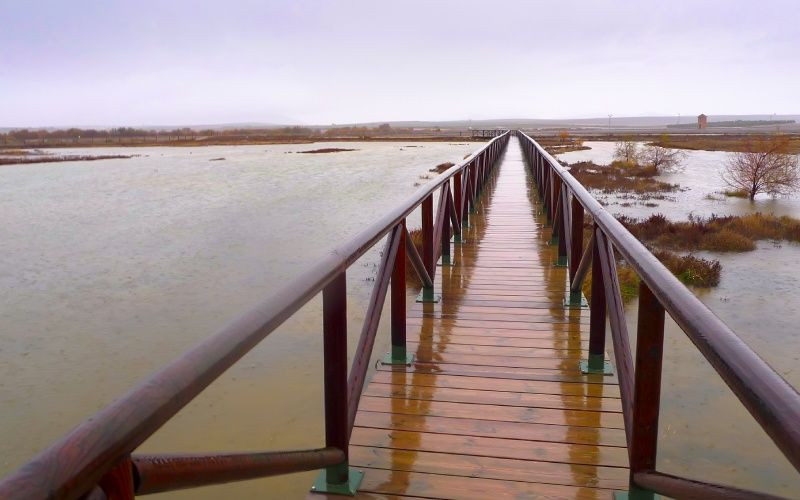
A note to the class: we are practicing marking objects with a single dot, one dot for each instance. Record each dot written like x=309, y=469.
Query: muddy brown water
x=111, y=268
x=705, y=433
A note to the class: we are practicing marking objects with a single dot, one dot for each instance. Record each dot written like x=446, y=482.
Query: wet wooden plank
x=489, y=468
x=579, y=418
x=459, y=338
x=543, y=322
x=467, y=488
x=495, y=372
x=488, y=384
x=550, y=351
x=489, y=428
x=611, y=456
x=426, y=353
x=498, y=397
x=494, y=404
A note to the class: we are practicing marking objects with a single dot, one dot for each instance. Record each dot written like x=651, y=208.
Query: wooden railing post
x=473, y=181
x=444, y=199
x=546, y=192
x=576, y=252
x=555, y=208
x=560, y=225
x=399, y=353
x=428, y=250
x=117, y=484
x=597, y=317
x=647, y=388
x=337, y=478
x=458, y=205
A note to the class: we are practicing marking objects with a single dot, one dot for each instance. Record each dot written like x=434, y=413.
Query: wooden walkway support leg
x=457, y=192
x=428, y=250
x=399, y=354
x=597, y=318
x=337, y=479
x=647, y=388
x=575, y=297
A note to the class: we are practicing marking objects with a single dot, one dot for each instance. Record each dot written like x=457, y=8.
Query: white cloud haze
x=315, y=62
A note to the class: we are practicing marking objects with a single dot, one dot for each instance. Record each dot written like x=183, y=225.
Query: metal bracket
x=592, y=365
x=447, y=261
x=427, y=295
x=406, y=360
x=636, y=493
x=321, y=484
x=575, y=300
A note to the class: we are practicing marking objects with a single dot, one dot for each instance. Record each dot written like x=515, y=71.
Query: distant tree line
x=25, y=135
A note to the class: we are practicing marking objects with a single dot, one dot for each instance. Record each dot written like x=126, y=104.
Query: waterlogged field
x=705, y=432
x=111, y=268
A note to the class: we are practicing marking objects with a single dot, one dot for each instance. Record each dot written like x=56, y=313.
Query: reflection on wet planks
x=495, y=404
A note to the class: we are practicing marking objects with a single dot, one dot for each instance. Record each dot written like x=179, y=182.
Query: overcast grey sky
x=193, y=62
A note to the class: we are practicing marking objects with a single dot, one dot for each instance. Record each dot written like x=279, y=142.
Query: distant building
x=702, y=121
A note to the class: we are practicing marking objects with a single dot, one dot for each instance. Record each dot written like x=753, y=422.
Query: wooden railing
x=769, y=398
x=95, y=459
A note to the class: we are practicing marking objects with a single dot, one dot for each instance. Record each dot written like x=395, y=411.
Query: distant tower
x=702, y=121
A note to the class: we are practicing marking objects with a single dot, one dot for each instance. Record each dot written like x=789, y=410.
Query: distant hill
x=621, y=122
x=602, y=122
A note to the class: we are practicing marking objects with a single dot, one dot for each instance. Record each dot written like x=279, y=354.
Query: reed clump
x=620, y=176
x=442, y=167
x=736, y=193
x=691, y=270
x=628, y=282
x=732, y=233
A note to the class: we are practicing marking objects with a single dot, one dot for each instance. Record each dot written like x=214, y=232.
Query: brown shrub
x=732, y=233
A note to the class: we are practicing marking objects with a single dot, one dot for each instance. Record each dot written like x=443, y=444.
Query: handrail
x=99, y=449
x=772, y=401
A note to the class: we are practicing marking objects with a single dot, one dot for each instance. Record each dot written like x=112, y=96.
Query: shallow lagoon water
x=705, y=432
x=111, y=268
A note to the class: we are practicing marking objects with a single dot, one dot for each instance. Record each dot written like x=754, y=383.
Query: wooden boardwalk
x=495, y=405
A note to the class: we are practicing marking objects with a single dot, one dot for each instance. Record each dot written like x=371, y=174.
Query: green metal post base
x=457, y=239
x=636, y=493
x=561, y=261
x=427, y=295
x=597, y=365
x=405, y=359
x=447, y=261
x=575, y=300
x=321, y=485
x=554, y=240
